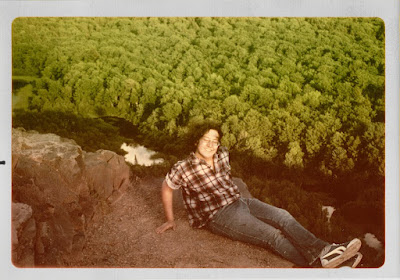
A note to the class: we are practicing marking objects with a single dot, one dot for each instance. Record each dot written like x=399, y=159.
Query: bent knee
x=285, y=217
x=285, y=214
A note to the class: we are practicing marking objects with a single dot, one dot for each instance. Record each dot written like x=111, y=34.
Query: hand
x=166, y=226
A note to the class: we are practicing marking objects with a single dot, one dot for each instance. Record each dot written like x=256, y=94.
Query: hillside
x=301, y=92
x=126, y=237
x=73, y=208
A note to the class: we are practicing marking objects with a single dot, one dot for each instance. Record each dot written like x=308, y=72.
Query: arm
x=167, y=199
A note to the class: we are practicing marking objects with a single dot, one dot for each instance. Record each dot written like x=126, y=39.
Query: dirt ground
x=126, y=238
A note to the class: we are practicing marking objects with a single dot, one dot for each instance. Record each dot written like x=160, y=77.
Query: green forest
x=301, y=101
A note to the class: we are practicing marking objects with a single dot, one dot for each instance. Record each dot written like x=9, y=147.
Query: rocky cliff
x=58, y=189
x=72, y=208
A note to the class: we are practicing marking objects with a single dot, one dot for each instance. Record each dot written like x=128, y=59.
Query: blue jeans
x=252, y=221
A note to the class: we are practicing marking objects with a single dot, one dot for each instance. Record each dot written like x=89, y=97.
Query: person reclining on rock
x=213, y=202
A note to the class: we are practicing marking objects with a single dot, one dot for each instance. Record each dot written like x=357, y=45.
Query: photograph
x=198, y=142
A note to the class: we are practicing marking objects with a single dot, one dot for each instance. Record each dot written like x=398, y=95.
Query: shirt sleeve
x=174, y=177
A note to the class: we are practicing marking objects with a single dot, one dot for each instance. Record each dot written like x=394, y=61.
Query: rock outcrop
x=72, y=208
x=57, y=190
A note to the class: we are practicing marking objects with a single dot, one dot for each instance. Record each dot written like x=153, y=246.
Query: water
x=330, y=210
x=140, y=155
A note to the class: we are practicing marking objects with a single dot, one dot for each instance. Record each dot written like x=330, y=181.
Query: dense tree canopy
x=302, y=91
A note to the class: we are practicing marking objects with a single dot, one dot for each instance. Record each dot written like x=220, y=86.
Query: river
x=140, y=155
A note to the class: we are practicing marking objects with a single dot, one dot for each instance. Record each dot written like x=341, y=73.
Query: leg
x=236, y=222
x=306, y=242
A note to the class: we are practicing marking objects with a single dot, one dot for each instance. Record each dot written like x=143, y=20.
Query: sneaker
x=339, y=253
x=353, y=261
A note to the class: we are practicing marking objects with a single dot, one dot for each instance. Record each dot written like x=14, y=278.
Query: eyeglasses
x=208, y=142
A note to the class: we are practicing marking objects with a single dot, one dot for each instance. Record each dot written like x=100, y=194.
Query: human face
x=208, y=145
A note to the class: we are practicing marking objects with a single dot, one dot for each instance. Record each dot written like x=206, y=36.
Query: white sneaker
x=339, y=253
x=352, y=262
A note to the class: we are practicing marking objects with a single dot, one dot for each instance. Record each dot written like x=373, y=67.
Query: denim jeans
x=252, y=221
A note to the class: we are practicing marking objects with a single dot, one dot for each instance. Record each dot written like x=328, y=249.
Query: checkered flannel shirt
x=204, y=190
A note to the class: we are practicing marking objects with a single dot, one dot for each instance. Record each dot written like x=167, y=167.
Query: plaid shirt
x=204, y=190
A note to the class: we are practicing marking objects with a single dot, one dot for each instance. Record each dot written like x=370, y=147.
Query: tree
x=294, y=156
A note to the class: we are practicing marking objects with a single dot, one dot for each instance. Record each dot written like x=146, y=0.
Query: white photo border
x=387, y=10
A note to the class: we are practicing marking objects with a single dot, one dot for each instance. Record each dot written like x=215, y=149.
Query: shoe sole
x=358, y=260
x=347, y=254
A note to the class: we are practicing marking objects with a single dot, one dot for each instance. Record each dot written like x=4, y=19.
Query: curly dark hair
x=197, y=130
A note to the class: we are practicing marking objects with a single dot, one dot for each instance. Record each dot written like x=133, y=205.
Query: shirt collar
x=193, y=158
x=197, y=160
